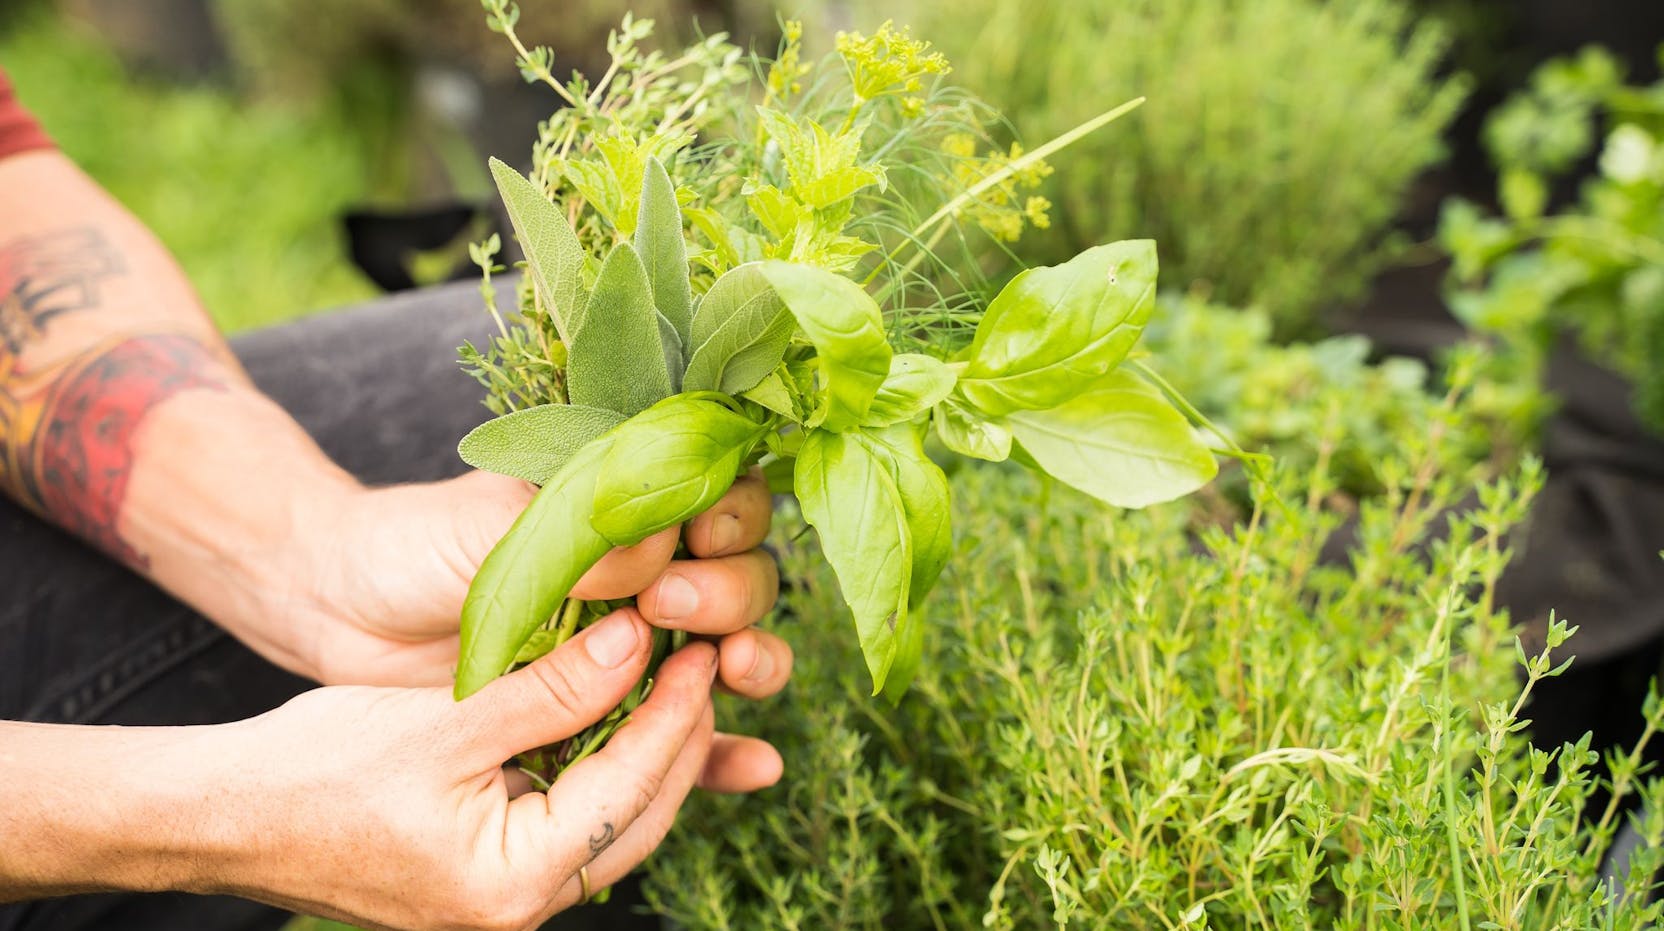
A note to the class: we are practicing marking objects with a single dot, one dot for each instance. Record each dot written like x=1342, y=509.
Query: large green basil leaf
x=925, y=499
x=928, y=506
x=847, y=330
x=554, y=257
x=534, y=443
x=740, y=333
x=530, y=571
x=1121, y=442
x=668, y=464
x=664, y=252
x=849, y=497
x=1053, y=332
x=916, y=384
x=969, y=433
x=616, y=360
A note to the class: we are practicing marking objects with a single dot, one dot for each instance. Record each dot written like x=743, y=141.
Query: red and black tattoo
x=67, y=425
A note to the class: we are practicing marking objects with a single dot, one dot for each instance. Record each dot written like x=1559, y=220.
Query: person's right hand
x=389, y=807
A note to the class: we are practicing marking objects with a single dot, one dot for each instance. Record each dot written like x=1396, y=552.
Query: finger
x=754, y=663
x=644, y=835
x=562, y=693
x=599, y=797
x=736, y=523
x=713, y=596
x=740, y=764
x=627, y=569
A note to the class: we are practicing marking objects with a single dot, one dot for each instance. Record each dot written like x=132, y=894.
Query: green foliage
x=1277, y=398
x=1279, y=137
x=790, y=353
x=247, y=197
x=1156, y=720
x=1597, y=268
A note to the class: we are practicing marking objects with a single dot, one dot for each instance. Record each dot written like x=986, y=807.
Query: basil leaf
x=1053, y=332
x=925, y=499
x=928, y=506
x=664, y=252
x=916, y=384
x=848, y=495
x=616, y=359
x=554, y=257
x=668, y=464
x=847, y=330
x=740, y=333
x=530, y=571
x=968, y=433
x=1121, y=442
x=534, y=443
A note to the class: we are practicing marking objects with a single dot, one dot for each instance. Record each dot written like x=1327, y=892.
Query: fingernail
x=762, y=666
x=725, y=533
x=612, y=641
x=677, y=598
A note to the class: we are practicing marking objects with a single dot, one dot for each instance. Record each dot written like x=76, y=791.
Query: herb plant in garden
x=705, y=297
x=1596, y=269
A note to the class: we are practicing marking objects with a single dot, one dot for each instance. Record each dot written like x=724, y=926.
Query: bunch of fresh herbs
x=645, y=375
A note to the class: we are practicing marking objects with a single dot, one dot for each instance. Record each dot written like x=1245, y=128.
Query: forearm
x=124, y=417
x=112, y=808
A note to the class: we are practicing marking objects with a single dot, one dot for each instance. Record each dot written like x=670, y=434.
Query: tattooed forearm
x=67, y=424
x=42, y=277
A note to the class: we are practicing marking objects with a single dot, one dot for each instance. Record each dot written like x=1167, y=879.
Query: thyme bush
x=1279, y=139
x=1159, y=720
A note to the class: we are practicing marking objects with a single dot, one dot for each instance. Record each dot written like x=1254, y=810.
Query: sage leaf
x=969, y=433
x=534, y=443
x=916, y=383
x=848, y=495
x=616, y=359
x=554, y=257
x=847, y=330
x=664, y=252
x=530, y=571
x=668, y=464
x=1121, y=442
x=740, y=333
x=1053, y=332
x=675, y=359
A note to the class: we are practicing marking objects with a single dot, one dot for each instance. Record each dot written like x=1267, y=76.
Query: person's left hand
x=381, y=598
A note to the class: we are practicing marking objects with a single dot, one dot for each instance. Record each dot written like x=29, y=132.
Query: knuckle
x=562, y=684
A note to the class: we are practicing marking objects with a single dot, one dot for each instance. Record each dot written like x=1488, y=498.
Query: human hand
x=380, y=597
x=390, y=807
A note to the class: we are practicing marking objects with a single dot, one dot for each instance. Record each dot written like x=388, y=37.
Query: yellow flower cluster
x=889, y=61
x=1003, y=209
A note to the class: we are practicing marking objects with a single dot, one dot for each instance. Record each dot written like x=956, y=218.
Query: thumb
x=565, y=691
x=483, y=505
